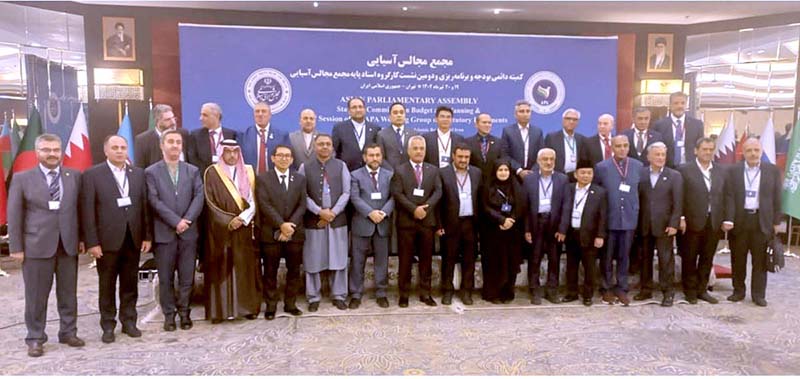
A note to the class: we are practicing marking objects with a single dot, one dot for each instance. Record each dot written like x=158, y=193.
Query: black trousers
x=122, y=264
x=171, y=257
x=271, y=254
x=580, y=255
x=697, y=259
x=666, y=263
x=544, y=244
x=461, y=238
x=37, y=274
x=417, y=239
x=749, y=238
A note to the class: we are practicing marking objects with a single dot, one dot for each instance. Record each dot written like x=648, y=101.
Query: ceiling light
x=316, y=4
x=746, y=30
x=405, y=9
x=496, y=11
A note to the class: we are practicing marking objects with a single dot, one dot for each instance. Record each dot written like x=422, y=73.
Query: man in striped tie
x=43, y=232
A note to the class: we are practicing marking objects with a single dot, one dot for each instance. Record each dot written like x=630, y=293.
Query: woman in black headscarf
x=503, y=203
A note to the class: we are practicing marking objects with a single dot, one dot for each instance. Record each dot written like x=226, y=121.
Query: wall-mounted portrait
x=120, y=39
x=659, y=52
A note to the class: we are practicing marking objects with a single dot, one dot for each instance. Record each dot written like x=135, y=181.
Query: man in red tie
x=600, y=143
x=258, y=140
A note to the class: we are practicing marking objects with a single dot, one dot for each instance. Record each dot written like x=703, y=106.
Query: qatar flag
x=726, y=143
x=78, y=154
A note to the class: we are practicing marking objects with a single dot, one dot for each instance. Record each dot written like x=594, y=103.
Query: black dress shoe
x=313, y=307
x=214, y=321
x=467, y=299
x=643, y=296
x=354, y=303
x=72, y=341
x=186, y=322
x=736, y=297
x=667, y=301
x=428, y=301
x=35, y=349
x=340, y=305
x=108, y=336
x=269, y=315
x=552, y=298
x=760, y=302
x=569, y=298
x=447, y=298
x=496, y=301
x=131, y=331
x=536, y=298
x=293, y=311
x=250, y=316
x=169, y=323
x=587, y=301
x=705, y=296
x=403, y=303
x=383, y=302
x=691, y=299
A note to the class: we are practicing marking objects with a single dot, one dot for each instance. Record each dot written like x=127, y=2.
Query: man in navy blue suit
x=258, y=140
x=641, y=135
x=619, y=176
x=350, y=136
x=679, y=131
x=521, y=142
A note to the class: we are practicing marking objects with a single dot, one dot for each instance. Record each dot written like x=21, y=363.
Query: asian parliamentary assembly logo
x=545, y=91
x=270, y=86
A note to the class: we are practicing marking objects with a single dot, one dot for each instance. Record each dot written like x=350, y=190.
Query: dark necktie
x=262, y=152
x=607, y=153
x=678, y=137
x=418, y=174
x=283, y=182
x=212, y=141
x=399, y=136
x=484, y=147
x=374, y=174
x=54, y=187
x=640, y=143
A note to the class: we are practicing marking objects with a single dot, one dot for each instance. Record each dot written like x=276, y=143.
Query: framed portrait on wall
x=119, y=39
x=660, y=52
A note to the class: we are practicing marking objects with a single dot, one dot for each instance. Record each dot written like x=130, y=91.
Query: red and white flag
x=726, y=143
x=78, y=154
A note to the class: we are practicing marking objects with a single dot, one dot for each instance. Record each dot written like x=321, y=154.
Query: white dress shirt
x=360, y=131
x=121, y=178
x=752, y=184
x=570, y=152
x=445, y=145
x=581, y=194
x=545, y=192
x=464, y=193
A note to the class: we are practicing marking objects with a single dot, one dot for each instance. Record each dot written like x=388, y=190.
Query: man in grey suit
x=175, y=194
x=370, y=195
x=394, y=138
x=43, y=232
x=302, y=140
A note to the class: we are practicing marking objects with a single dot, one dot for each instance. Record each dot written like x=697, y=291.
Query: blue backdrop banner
x=294, y=69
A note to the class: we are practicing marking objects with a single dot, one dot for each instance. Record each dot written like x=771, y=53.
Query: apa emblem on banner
x=270, y=86
x=545, y=91
x=53, y=108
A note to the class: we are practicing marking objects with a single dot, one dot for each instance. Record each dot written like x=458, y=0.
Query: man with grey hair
x=642, y=136
x=43, y=233
x=567, y=143
x=148, y=143
x=521, y=141
x=302, y=141
x=661, y=206
x=599, y=145
x=205, y=141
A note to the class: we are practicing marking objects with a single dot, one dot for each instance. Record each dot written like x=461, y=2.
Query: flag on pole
x=791, y=182
x=26, y=155
x=151, y=119
x=5, y=148
x=768, y=142
x=126, y=131
x=78, y=154
x=745, y=135
x=16, y=139
x=726, y=143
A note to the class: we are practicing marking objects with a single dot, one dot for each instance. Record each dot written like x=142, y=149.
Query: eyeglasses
x=283, y=156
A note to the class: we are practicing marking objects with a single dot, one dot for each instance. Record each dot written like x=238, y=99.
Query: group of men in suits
x=320, y=198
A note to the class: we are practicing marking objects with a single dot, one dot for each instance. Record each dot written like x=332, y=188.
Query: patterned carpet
x=483, y=339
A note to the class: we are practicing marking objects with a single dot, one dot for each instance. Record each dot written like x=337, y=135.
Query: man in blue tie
x=679, y=131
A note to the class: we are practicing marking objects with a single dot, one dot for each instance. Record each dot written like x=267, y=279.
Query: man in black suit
x=394, y=138
x=521, y=142
x=583, y=222
x=416, y=189
x=281, y=198
x=641, y=136
x=350, y=136
x=598, y=146
x=205, y=141
x=439, y=143
x=485, y=147
x=175, y=194
x=545, y=190
x=661, y=204
x=148, y=143
x=458, y=223
x=43, y=233
x=679, y=131
x=117, y=228
x=756, y=188
x=707, y=213
x=568, y=145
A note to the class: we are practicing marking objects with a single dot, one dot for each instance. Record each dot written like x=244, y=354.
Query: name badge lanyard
x=123, y=186
x=571, y=147
x=622, y=173
x=752, y=180
x=506, y=205
x=418, y=175
x=580, y=201
x=462, y=183
x=358, y=135
x=546, y=190
x=444, y=146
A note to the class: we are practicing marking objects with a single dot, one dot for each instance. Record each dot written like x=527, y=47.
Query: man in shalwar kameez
x=232, y=274
x=325, y=247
